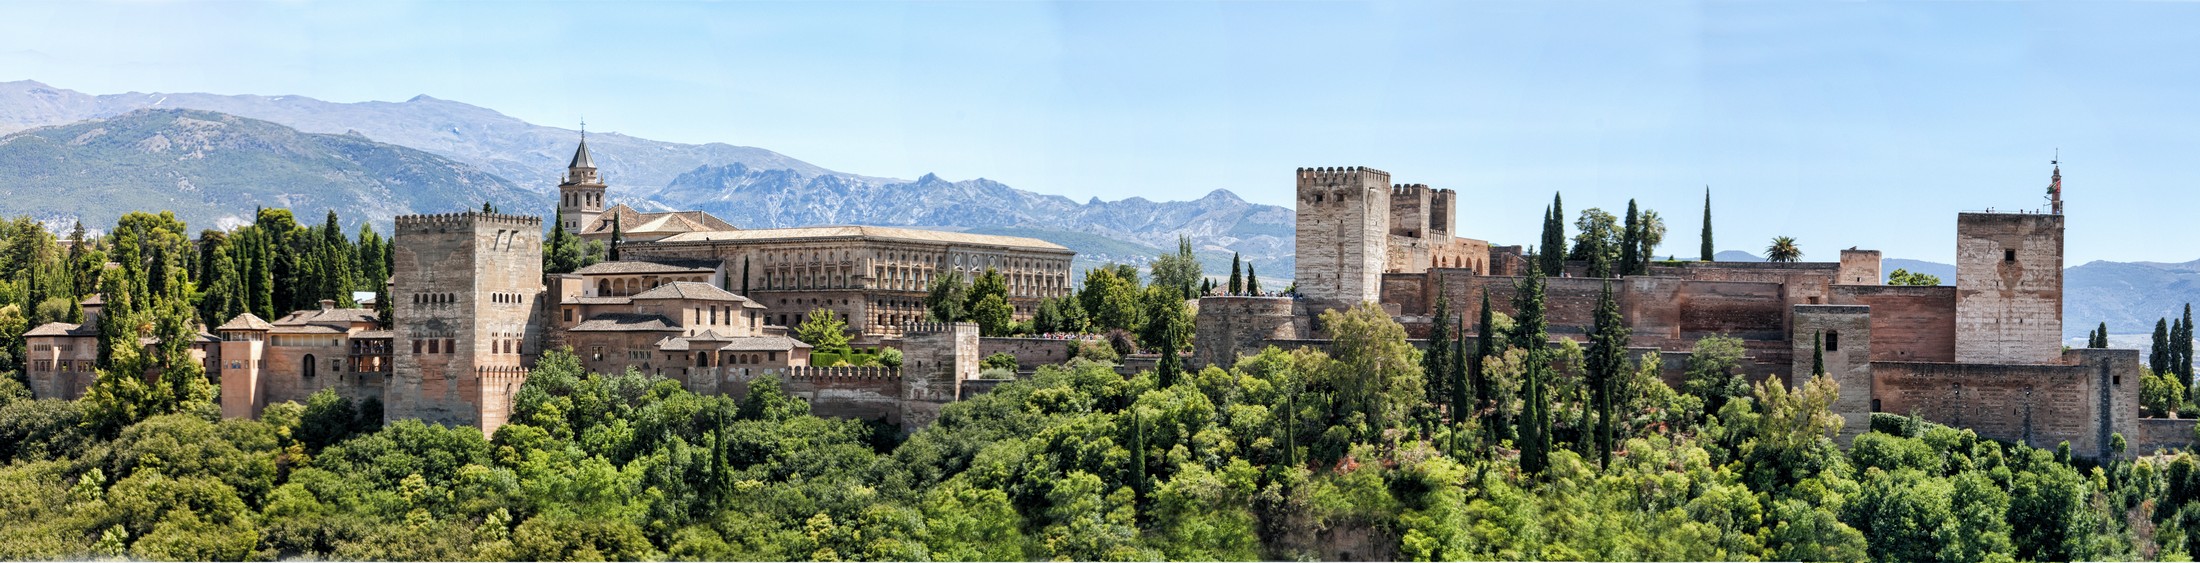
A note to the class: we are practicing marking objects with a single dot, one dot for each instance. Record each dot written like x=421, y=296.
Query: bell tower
x=580, y=194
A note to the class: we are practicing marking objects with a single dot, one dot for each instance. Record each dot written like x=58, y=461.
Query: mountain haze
x=213, y=170
x=750, y=187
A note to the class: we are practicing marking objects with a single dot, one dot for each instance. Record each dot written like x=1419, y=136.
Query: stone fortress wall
x=1983, y=354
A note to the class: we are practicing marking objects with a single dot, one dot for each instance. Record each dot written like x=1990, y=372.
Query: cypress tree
x=1437, y=360
x=1607, y=359
x=1138, y=453
x=1630, y=242
x=1708, y=251
x=616, y=234
x=1237, y=281
x=2185, y=348
x=2158, y=354
x=1462, y=402
x=1818, y=353
x=1252, y=282
x=1530, y=333
x=1485, y=346
x=744, y=276
x=551, y=252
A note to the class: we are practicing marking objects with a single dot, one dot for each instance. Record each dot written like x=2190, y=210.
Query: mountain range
x=749, y=187
x=214, y=169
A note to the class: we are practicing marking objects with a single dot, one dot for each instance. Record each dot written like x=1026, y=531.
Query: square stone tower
x=1846, y=333
x=2009, y=288
x=1859, y=267
x=1344, y=219
x=466, y=293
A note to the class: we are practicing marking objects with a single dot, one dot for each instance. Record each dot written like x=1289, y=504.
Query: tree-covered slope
x=213, y=169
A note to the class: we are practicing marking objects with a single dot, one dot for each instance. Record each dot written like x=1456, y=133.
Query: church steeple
x=581, y=195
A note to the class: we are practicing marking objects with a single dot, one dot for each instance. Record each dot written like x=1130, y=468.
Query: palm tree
x=1783, y=250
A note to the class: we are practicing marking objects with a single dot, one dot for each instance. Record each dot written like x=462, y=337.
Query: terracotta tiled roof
x=630, y=221
x=62, y=329
x=763, y=344
x=327, y=316
x=689, y=290
x=648, y=266
x=601, y=300
x=609, y=322
x=861, y=232
x=246, y=321
x=305, y=329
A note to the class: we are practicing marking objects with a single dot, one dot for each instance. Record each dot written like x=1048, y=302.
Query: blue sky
x=1841, y=124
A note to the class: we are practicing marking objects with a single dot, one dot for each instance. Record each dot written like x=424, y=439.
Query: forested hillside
x=1287, y=455
x=1494, y=445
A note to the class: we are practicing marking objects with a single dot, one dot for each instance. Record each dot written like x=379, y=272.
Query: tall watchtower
x=466, y=291
x=1344, y=233
x=2009, y=286
x=580, y=193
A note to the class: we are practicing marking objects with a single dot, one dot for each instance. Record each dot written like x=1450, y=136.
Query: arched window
x=309, y=365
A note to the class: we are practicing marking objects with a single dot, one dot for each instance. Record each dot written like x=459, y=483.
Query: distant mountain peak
x=421, y=98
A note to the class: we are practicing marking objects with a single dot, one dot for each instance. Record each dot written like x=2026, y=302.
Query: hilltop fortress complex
x=704, y=303
x=1985, y=354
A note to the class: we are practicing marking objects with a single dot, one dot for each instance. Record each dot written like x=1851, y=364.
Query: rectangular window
x=416, y=346
x=1833, y=341
x=435, y=346
x=2008, y=255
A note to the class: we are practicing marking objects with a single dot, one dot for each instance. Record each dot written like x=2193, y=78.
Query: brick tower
x=466, y=293
x=1344, y=234
x=2009, y=286
x=580, y=194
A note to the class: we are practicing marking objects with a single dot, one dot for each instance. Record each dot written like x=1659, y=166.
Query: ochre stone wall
x=1229, y=327
x=1030, y=353
x=2009, y=269
x=1343, y=232
x=858, y=393
x=2158, y=434
x=1909, y=323
x=2083, y=401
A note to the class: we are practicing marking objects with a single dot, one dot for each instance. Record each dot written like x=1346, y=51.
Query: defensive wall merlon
x=500, y=373
x=467, y=219
x=808, y=373
x=1336, y=174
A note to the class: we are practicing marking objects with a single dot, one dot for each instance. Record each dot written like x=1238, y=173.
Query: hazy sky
x=1844, y=124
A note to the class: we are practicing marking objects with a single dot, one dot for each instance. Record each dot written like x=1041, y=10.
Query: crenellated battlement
x=822, y=373
x=1340, y=175
x=936, y=327
x=467, y=219
x=1411, y=189
x=500, y=373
